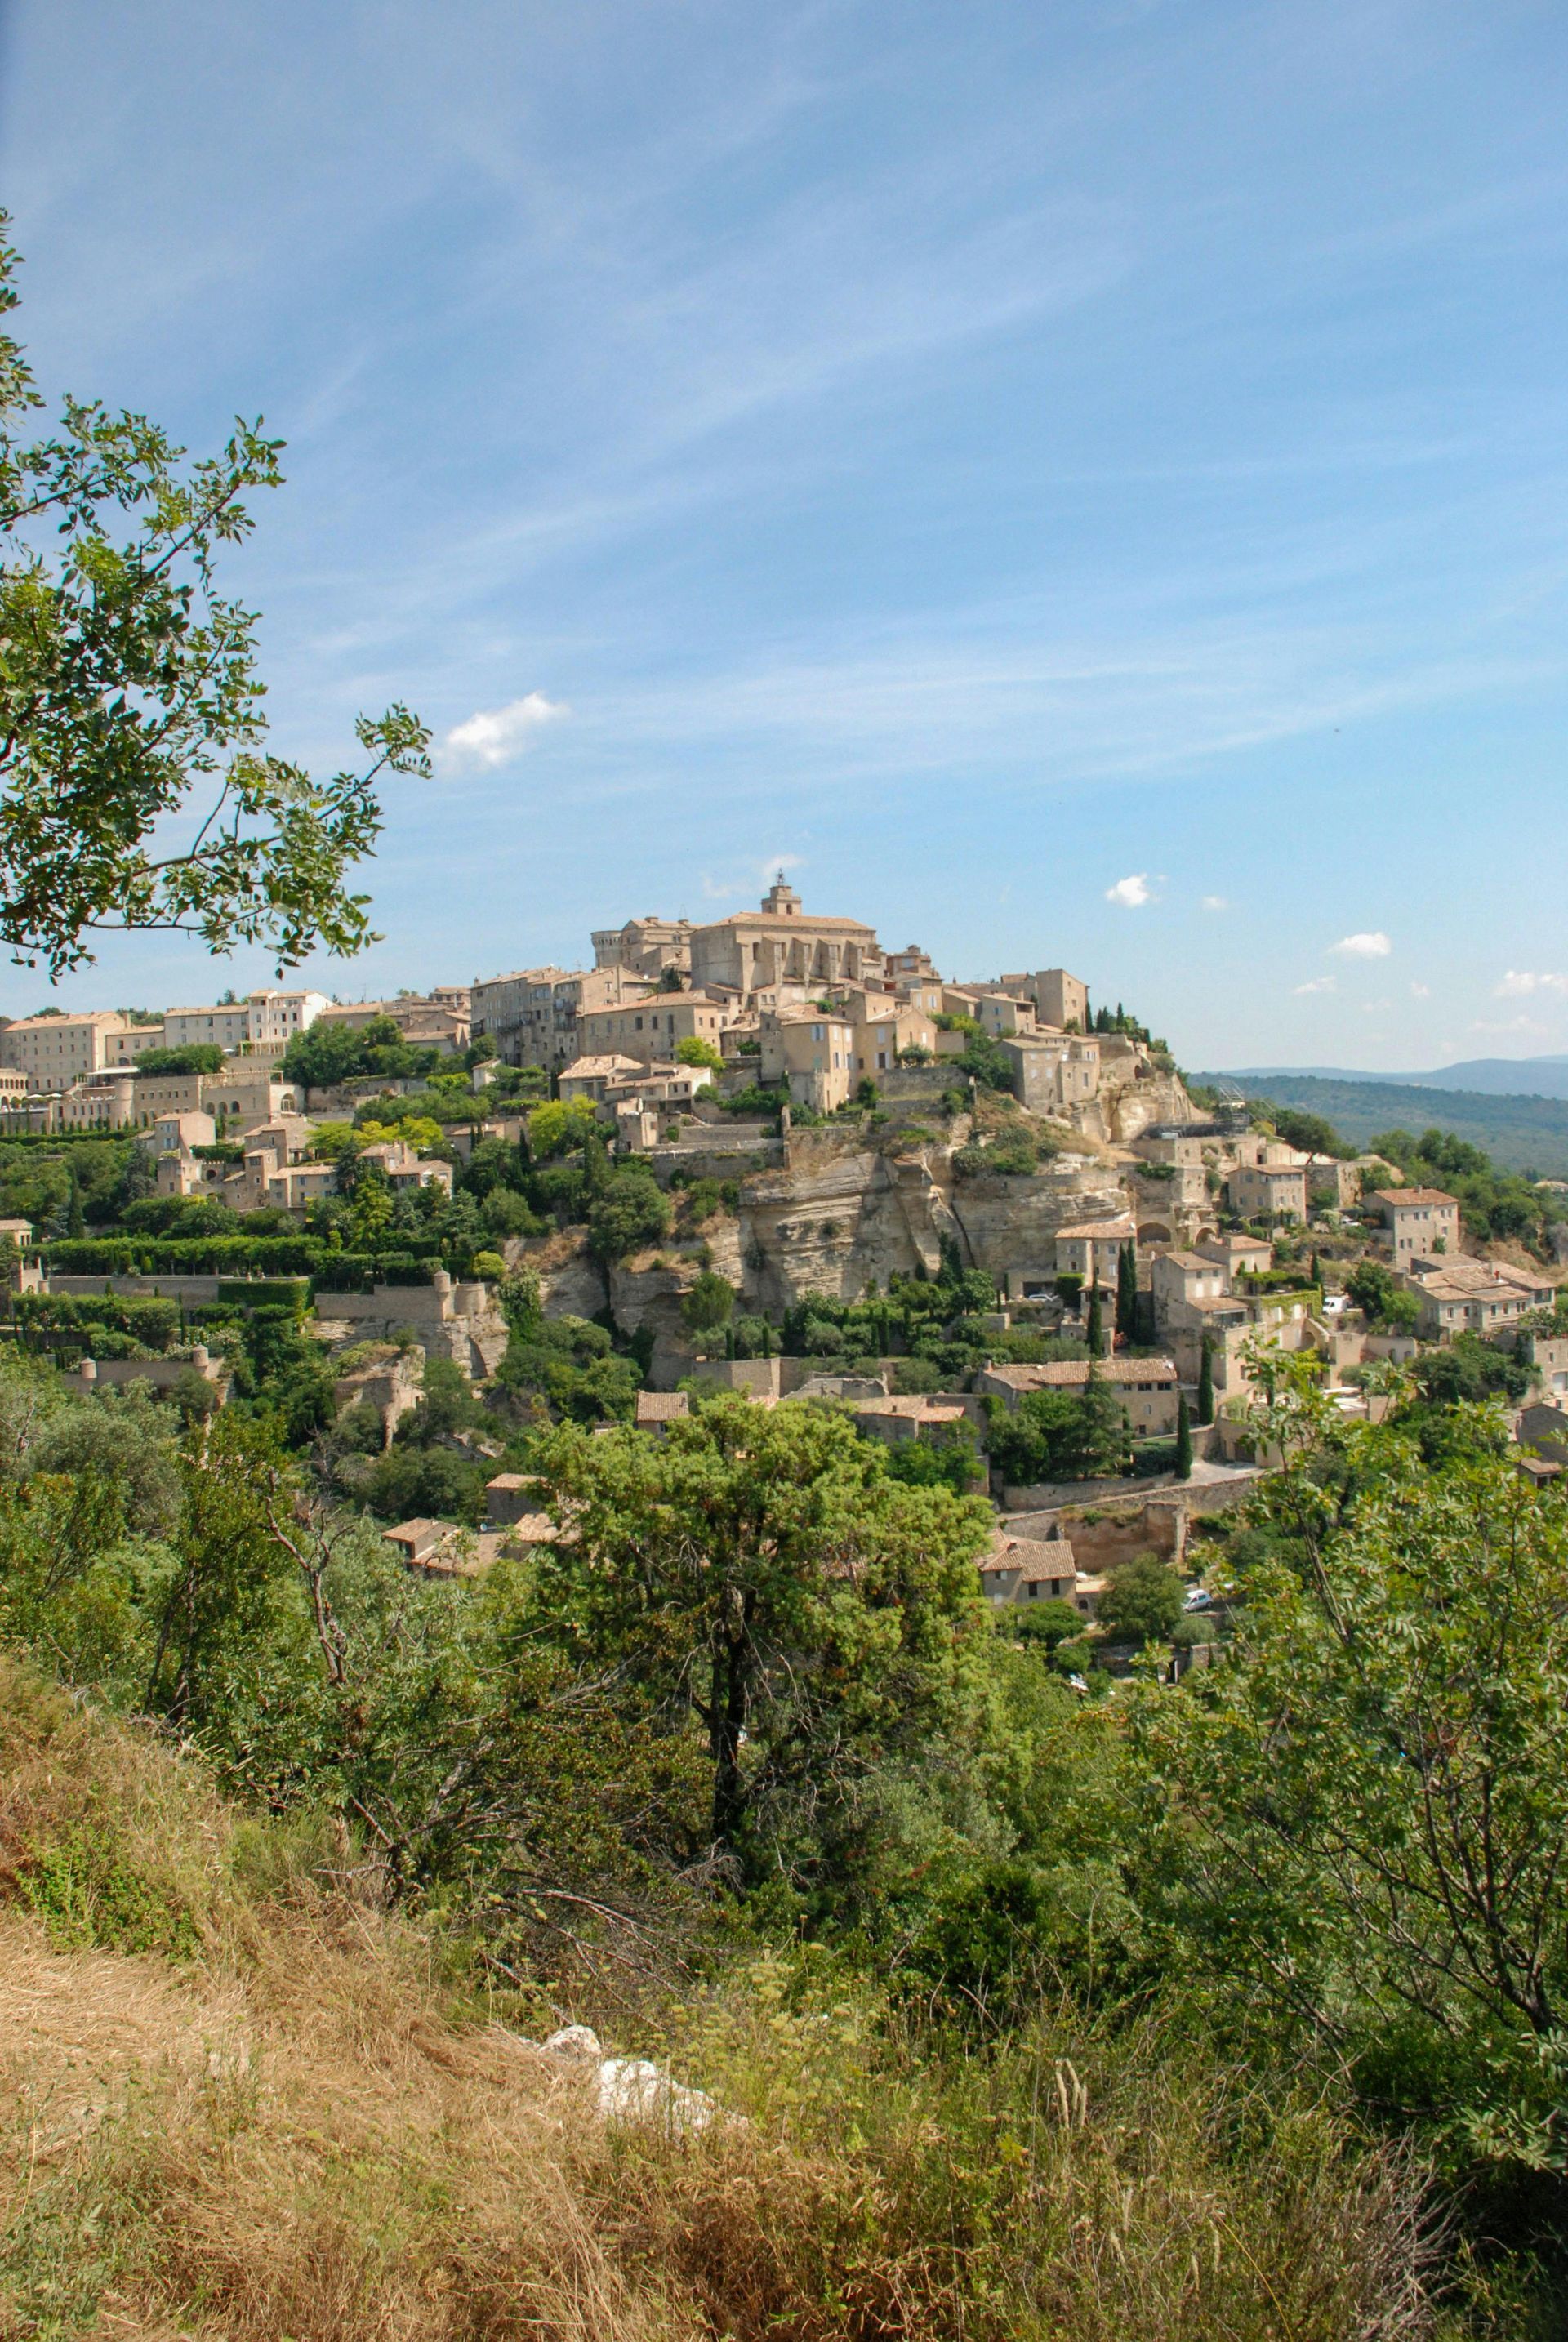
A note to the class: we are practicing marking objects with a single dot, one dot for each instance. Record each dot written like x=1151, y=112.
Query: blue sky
x=1079, y=483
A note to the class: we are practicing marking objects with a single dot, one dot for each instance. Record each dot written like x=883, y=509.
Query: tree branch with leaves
x=137, y=792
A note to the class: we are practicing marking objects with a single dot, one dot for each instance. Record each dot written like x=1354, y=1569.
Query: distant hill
x=1521, y=1132
x=1497, y=1077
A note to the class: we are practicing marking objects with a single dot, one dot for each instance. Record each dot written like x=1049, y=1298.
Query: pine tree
x=1127, y=1292
x=1184, y=1439
x=1206, y=1383
x=1096, y=1332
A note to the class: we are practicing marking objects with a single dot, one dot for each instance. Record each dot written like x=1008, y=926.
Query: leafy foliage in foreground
x=129, y=684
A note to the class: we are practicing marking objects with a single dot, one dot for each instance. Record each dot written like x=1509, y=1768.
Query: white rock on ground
x=634, y=2089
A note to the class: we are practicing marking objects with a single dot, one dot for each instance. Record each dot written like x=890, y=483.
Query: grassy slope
x=235, y=2101
x=1521, y=1134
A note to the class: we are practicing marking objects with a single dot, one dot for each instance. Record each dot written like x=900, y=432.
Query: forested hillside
x=1523, y=1134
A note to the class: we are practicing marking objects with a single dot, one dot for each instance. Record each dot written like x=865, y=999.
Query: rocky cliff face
x=1135, y=1093
x=843, y=1213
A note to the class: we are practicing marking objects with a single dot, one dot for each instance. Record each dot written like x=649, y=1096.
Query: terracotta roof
x=1063, y=1374
x=1465, y=1280
x=1193, y=1261
x=582, y=1069
x=1414, y=1195
x=531, y=1528
x=662, y=1407
x=794, y=923
x=923, y=1408
x=1047, y=1557
x=509, y=1480
x=1101, y=1229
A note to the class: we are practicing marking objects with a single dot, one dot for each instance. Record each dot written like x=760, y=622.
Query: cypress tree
x=1206, y=1383
x=76, y=1218
x=1184, y=1439
x=1315, y=1274
x=1096, y=1332
x=1126, y=1292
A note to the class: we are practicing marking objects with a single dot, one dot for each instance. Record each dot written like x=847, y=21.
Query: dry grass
x=282, y=2124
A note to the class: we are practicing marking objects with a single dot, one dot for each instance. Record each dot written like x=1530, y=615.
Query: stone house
x=1418, y=1223
x=1029, y=1569
x=1148, y=1388
x=533, y=1014
x=925, y=1414
x=53, y=1052
x=651, y=1029
x=1267, y=1191
x=1461, y=1295
x=1542, y=1430
x=811, y=1053
x=591, y=1077
x=656, y=1410
x=880, y=1029
x=1053, y=1073
x=1181, y=1280
x=645, y=946
x=265, y=1022
x=124, y=1045
x=1238, y=1255
x=1092, y=1251
x=405, y=1168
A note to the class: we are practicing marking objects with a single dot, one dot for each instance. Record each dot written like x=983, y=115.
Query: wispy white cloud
x=1530, y=1024
x=1214, y=902
x=1370, y=944
x=1520, y=984
x=495, y=737
x=1132, y=892
x=1420, y=991
x=1317, y=984
x=748, y=878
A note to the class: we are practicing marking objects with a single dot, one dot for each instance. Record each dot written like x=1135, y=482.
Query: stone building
x=781, y=944
x=1420, y=1222
x=645, y=946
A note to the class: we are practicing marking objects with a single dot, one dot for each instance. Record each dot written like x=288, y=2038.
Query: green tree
x=1127, y=1292
x=128, y=685
x=323, y=1055
x=631, y=1214
x=695, y=1051
x=1206, y=1382
x=1053, y=1621
x=1309, y=1132
x=1142, y=1601
x=1094, y=1332
x=1368, y=1807
x=764, y=1580
x=1183, y=1464
x=192, y=1058
x=558, y=1125
x=707, y=1307
x=75, y=1215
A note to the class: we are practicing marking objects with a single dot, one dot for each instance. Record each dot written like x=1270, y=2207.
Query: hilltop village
x=765, y=1154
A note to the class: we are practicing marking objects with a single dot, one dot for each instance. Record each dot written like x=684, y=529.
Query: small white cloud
x=1421, y=991
x=1318, y=984
x=1370, y=944
x=1519, y=983
x=1214, y=902
x=748, y=877
x=494, y=736
x=1131, y=893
